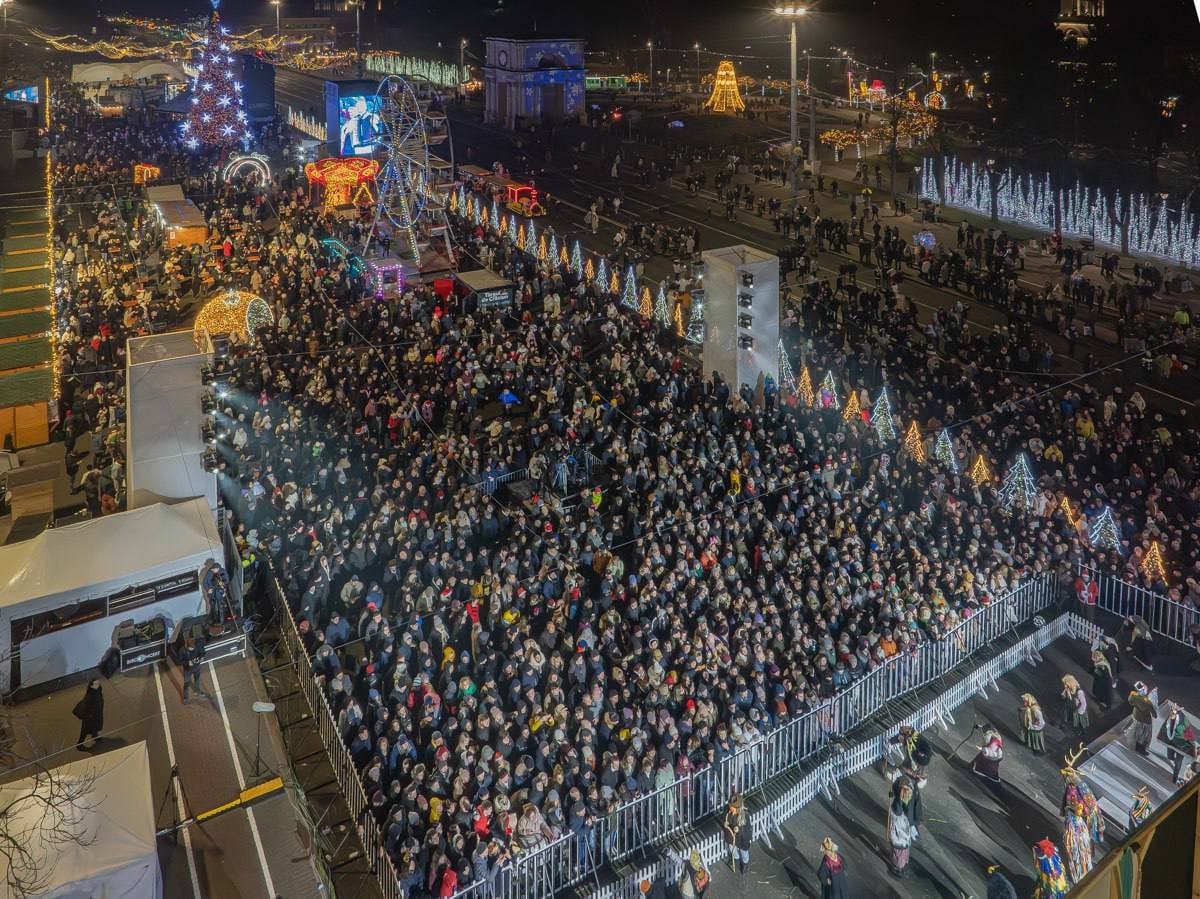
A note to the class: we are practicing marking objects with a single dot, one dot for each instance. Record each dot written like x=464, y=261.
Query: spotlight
x=747, y=279
x=746, y=300
x=209, y=461
x=746, y=342
x=745, y=321
x=208, y=430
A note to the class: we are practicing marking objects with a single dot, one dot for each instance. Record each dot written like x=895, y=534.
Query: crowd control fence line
x=543, y=868
x=1166, y=617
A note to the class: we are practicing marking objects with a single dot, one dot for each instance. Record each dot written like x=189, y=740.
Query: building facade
x=533, y=78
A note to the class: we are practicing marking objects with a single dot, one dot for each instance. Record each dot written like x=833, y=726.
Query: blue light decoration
x=1019, y=487
x=602, y=275
x=661, y=315
x=1104, y=533
x=629, y=296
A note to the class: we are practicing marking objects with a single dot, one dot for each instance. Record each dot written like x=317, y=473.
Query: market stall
x=120, y=583
x=182, y=221
x=483, y=289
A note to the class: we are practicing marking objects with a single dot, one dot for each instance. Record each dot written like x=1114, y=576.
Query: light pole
x=277, y=4
x=4, y=6
x=696, y=47
x=462, y=67
x=650, y=44
x=357, y=33
x=792, y=13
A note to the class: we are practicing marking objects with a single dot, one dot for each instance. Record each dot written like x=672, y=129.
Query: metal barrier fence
x=490, y=483
x=344, y=770
x=1165, y=616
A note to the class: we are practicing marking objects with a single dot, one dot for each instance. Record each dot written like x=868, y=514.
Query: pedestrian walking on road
x=90, y=712
x=190, y=660
x=832, y=872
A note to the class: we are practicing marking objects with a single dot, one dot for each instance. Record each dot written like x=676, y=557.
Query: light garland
x=1152, y=565
x=1020, y=487
x=979, y=471
x=828, y=392
x=1104, y=532
x=438, y=73
x=881, y=418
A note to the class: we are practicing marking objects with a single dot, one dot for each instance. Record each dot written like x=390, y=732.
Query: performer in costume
x=987, y=760
x=902, y=823
x=1077, y=792
x=911, y=755
x=1075, y=710
x=1077, y=843
x=1033, y=724
x=832, y=872
x=1051, y=881
x=1139, y=811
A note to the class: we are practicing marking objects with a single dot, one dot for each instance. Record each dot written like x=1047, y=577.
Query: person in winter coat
x=998, y=886
x=832, y=872
x=737, y=833
x=693, y=882
x=1144, y=714
x=1104, y=681
x=1033, y=723
x=90, y=712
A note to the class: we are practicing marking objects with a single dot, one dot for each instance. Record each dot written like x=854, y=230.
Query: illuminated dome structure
x=237, y=313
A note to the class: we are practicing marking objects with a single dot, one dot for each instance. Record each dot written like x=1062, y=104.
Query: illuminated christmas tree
x=1153, y=565
x=216, y=117
x=805, y=388
x=503, y=223
x=496, y=214
x=979, y=471
x=660, y=306
x=543, y=250
x=484, y=220
x=559, y=253
x=614, y=283
x=1019, y=488
x=576, y=260
x=913, y=443
x=603, y=282
x=881, y=418
x=646, y=307
x=454, y=207
x=589, y=270
x=531, y=239
x=787, y=377
x=829, y=397
x=1065, y=505
x=725, y=94
x=853, y=408
x=629, y=296
x=1104, y=532
x=944, y=452
x=679, y=319
x=520, y=241
x=512, y=229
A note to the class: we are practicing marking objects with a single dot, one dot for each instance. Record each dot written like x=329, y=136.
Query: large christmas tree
x=216, y=117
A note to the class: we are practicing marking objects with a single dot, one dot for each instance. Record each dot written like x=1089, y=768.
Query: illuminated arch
x=253, y=161
x=235, y=312
x=935, y=100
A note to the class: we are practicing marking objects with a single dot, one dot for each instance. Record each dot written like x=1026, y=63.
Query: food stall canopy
x=180, y=218
x=490, y=290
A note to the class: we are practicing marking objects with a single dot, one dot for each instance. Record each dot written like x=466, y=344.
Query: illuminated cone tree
x=646, y=307
x=979, y=471
x=805, y=387
x=1153, y=565
x=881, y=418
x=725, y=94
x=943, y=451
x=216, y=118
x=787, y=377
x=853, y=409
x=913, y=443
x=829, y=397
x=660, y=306
x=1104, y=532
x=629, y=297
x=1019, y=487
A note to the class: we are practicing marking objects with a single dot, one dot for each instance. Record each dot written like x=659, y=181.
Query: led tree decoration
x=600, y=275
x=646, y=306
x=216, y=117
x=913, y=443
x=660, y=306
x=943, y=451
x=576, y=260
x=881, y=418
x=725, y=94
x=979, y=471
x=1019, y=487
x=503, y=228
x=512, y=230
x=1065, y=505
x=543, y=252
x=787, y=377
x=589, y=270
x=679, y=319
x=563, y=261
x=829, y=397
x=629, y=296
x=1152, y=564
x=1104, y=531
x=805, y=389
x=531, y=238
x=520, y=241
x=853, y=408
x=614, y=282
x=552, y=250
x=496, y=212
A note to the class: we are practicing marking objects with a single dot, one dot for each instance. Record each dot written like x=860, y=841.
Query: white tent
x=63, y=593
x=115, y=854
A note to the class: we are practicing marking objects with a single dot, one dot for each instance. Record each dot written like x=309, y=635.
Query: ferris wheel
x=413, y=181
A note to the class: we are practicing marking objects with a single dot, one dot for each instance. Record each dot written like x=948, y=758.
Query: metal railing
x=1168, y=617
x=489, y=483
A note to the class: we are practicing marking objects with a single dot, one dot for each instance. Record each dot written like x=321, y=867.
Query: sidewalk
x=261, y=850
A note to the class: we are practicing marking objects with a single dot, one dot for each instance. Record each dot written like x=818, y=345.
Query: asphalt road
x=589, y=177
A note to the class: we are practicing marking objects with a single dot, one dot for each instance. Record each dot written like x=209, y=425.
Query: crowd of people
x=506, y=667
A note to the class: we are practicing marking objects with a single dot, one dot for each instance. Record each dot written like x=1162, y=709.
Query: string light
x=979, y=471
x=1104, y=533
x=725, y=95
x=944, y=452
x=1153, y=565
x=913, y=444
x=234, y=312
x=1019, y=487
x=829, y=397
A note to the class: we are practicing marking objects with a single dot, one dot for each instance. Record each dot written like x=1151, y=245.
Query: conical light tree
x=561, y=255
x=944, y=452
x=979, y=470
x=589, y=270
x=1153, y=565
x=543, y=253
x=512, y=230
x=829, y=397
x=661, y=314
x=787, y=377
x=881, y=418
x=614, y=282
x=217, y=117
x=1019, y=488
x=532, y=240
x=805, y=387
x=629, y=297
x=521, y=238
x=853, y=408
x=1065, y=505
x=646, y=306
x=601, y=276
x=725, y=94
x=496, y=214
x=1104, y=532
x=913, y=443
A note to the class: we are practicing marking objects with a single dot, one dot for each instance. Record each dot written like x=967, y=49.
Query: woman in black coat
x=1103, y=681
x=832, y=872
x=90, y=712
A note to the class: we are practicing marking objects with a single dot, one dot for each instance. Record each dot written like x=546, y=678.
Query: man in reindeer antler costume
x=1077, y=793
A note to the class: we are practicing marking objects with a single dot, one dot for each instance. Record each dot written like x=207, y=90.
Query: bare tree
x=49, y=811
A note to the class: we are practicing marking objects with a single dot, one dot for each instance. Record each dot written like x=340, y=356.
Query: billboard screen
x=360, y=125
x=27, y=94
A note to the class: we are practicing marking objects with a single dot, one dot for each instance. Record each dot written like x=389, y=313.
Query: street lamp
x=4, y=4
x=696, y=47
x=650, y=45
x=792, y=13
x=462, y=67
x=277, y=4
x=357, y=33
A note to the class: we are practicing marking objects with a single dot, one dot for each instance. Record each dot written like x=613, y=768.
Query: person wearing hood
x=832, y=872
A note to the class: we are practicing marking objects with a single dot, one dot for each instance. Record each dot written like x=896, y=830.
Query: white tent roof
x=149, y=541
x=116, y=854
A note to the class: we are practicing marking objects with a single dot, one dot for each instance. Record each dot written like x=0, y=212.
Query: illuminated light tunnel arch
x=255, y=161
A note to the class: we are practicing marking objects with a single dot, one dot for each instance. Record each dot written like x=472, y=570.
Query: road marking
x=179, y=809
x=237, y=768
